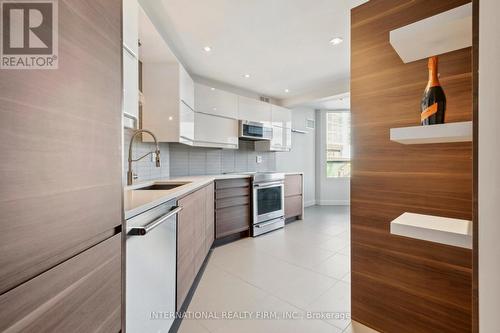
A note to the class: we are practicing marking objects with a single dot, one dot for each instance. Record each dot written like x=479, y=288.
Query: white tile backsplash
x=183, y=160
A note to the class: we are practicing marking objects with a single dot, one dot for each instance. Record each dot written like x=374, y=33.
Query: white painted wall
x=489, y=166
x=302, y=155
x=329, y=191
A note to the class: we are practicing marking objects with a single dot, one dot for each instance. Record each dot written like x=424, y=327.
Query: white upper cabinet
x=186, y=87
x=281, y=116
x=167, y=90
x=215, y=131
x=130, y=106
x=130, y=85
x=215, y=101
x=131, y=26
x=254, y=110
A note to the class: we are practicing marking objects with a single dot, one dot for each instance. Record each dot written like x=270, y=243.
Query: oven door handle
x=265, y=185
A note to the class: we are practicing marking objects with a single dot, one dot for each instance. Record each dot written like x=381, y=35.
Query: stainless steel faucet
x=130, y=174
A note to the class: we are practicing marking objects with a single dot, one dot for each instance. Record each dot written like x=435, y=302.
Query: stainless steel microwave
x=252, y=130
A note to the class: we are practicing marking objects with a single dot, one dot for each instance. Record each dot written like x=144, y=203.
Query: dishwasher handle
x=141, y=231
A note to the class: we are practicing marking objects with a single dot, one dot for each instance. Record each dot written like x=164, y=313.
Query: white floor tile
x=336, y=302
x=301, y=269
x=337, y=266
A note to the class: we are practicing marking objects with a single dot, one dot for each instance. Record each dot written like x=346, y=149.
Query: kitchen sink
x=161, y=186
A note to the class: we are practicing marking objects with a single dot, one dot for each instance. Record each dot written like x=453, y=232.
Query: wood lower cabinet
x=294, y=198
x=195, y=235
x=209, y=216
x=83, y=294
x=232, y=206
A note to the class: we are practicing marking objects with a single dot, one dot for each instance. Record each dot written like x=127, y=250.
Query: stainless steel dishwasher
x=151, y=269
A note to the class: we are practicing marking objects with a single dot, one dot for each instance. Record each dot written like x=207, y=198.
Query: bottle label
x=429, y=111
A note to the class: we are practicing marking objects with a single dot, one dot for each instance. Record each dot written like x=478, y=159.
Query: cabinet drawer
x=231, y=220
x=232, y=183
x=232, y=192
x=293, y=206
x=82, y=294
x=232, y=201
x=293, y=185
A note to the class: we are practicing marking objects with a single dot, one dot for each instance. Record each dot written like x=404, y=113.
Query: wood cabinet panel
x=198, y=242
x=55, y=200
x=233, y=201
x=231, y=183
x=232, y=220
x=185, y=248
x=233, y=206
x=82, y=294
x=209, y=217
x=194, y=237
x=228, y=193
x=425, y=286
x=293, y=206
x=293, y=185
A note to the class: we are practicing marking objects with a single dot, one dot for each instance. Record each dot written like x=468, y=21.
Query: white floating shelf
x=442, y=133
x=438, y=34
x=436, y=229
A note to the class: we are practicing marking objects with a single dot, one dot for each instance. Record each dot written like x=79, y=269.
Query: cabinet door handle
x=141, y=231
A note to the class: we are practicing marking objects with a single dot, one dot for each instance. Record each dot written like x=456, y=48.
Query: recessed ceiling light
x=336, y=40
x=287, y=91
x=247, y=76
x=207, y=48
x=212, y=88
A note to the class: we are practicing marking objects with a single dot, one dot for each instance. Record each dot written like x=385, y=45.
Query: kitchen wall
x=186, y=160
x=302, y=155
x=329, y=191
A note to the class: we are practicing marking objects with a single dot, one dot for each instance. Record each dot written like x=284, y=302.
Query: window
x=338, y=144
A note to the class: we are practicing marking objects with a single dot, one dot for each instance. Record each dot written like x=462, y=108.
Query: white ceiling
x=282, y=44
x=153, y=49
x=337, y=102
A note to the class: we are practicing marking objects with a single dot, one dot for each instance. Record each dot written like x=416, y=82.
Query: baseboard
x=333, y=202
x=309, y=203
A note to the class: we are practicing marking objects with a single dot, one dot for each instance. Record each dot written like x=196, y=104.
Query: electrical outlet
x=153, y=157
x=258, y=159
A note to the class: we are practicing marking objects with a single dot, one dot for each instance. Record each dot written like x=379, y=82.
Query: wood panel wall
x=401, y=284
x=60, y=144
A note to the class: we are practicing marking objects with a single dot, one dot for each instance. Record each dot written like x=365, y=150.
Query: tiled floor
x=288, y=275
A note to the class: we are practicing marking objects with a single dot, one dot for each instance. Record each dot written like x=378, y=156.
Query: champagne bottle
x=434, y=101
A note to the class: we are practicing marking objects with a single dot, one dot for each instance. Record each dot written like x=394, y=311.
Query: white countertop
x=137, y=202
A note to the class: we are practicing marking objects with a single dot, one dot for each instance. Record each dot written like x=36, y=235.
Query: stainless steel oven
x=268, y=202
x=252, y=130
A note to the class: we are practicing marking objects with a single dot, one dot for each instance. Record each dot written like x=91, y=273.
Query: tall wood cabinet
x=195, y=235
x=61, y=187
